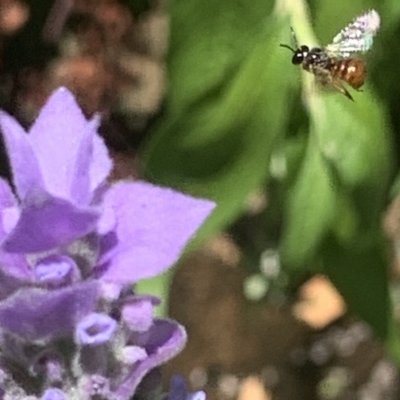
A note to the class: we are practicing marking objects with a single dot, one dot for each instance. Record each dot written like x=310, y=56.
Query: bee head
x=298, y=55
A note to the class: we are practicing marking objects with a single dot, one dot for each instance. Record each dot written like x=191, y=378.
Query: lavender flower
x=72, y=247
x=178, y=391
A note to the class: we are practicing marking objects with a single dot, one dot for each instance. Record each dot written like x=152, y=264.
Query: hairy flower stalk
x=72, y=247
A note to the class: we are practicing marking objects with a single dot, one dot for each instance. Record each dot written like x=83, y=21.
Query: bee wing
x=357, y=37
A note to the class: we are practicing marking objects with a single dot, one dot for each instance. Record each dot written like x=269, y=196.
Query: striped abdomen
x=350, y=70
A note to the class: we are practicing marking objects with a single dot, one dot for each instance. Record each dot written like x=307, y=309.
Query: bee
x=334, y=65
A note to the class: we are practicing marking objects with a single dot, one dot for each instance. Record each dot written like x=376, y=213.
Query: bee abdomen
x=351, y=70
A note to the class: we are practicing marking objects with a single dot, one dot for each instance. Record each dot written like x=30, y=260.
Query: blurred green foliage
x=218, y=134
x=234, y=101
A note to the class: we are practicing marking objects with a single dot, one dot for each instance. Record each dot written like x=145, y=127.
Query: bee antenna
x=288, y=47
x=294, y=40
x=294, y=37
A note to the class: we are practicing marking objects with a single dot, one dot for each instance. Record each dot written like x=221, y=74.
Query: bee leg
x=339, y=86
x=347, y=94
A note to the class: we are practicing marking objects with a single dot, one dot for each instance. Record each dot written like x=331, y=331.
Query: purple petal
x=79, y=162
x=178, y=390
x=199, y=395
x=138, y=314
x=95, y=387
x=7, y=198
x=93, y=159
x=49, y=364
x=9, y=218
x=14, y=274
x=55, y=271
x=23, y=161
x=38, y=314
x=56, y=137
x=14, y=268
x=9, y=211
x=165, y=340
x=101, y=166
x=132, y=354
x=80, y=179
x=47, y=222
x=153, y=226
x=54, y=394
x=95, y=329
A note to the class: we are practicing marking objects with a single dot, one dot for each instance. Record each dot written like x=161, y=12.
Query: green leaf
x=220, y=146
x=209, y=43
x=360, y=273
x=395, y=189
x=342, y=189
x=311, y=208
x=350, y=149
x=355, y=141
x=358, y=150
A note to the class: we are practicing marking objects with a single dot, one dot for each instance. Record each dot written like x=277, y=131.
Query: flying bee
x=334, y=64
